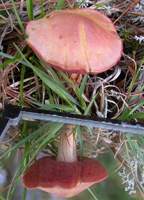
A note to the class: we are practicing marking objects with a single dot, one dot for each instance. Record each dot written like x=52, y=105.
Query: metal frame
x=12, y=115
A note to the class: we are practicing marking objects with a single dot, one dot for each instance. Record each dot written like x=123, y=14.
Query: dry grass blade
x=128, y=8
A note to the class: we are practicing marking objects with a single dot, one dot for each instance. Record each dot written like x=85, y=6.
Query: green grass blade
x=81, y=100
x=80, y=4
x=135, y=77
x=49, y=93
x=101, y=4
x=53, y=73
x=135, y=97
x=50, y=134
x=65, y=77
x=9, y=157
x=128, y=113
x=9, y=62
x=89, y=129
x=137, y=116
x=33, y=195
x=24, y=193
x=140, y=139
x=11, y=190
x=91, y=192
x=131, y=144
x=42, y=9
x=136, y=146
x=81, y=141
x=56, y=79
x=12, y=60
x=16, y=177
x=81, y=90
x=83, y=84
x=29, y=5
x=23, y=141
x=18, y=18
x=49, y=82
x=58, y=90
x=52, y=126
x=59, y=5
x=90, y=105
x=26, y=156
x=1, y=197
x=53, y=107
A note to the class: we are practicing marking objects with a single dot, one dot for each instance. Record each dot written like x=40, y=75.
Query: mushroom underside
x=63, y=179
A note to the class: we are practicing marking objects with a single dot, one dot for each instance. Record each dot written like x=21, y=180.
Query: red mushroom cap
x=63, y=179
x=77, y=40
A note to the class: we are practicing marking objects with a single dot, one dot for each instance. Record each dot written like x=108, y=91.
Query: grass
x=29, y=81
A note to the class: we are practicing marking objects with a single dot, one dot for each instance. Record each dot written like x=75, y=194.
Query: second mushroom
x=64, y=175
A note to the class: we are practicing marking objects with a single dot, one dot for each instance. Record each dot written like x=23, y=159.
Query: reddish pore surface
x=63, y=179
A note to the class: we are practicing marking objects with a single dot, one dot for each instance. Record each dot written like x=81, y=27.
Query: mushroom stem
x=67, y=151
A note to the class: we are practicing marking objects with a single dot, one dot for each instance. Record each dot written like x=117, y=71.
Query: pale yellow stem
x=67, y=151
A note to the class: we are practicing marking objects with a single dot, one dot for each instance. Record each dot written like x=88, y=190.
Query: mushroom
x=75, y=40
x=64, y=175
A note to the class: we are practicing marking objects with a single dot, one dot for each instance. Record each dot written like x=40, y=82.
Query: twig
x=128, y=8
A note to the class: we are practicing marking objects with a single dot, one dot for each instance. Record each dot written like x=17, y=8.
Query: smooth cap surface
x=76, y=40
